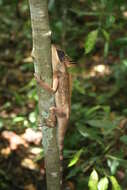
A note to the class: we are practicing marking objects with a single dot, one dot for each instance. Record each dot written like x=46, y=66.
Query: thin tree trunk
x=42, y=64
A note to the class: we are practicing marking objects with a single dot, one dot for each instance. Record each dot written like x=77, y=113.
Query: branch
x=42, y=64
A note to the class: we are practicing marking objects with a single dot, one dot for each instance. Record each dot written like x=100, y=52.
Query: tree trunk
x=42, y=64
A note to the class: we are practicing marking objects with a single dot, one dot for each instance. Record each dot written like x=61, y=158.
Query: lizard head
x=58, y=60
x=61, y=62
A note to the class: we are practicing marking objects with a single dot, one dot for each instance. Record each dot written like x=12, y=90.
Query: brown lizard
x=62, y=89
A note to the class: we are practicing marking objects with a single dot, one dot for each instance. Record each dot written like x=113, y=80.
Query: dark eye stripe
x=61, y=55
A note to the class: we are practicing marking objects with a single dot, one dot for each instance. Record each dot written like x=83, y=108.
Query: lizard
x=61, y=87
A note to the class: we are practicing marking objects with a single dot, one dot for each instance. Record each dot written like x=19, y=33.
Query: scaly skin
x=61, y=88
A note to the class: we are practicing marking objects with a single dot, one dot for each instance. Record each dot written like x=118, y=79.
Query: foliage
x=93, y=181
x=103, y=183
x=91, y=41
x=93, y=33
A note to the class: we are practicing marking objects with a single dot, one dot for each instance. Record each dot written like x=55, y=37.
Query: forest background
x=94, y=35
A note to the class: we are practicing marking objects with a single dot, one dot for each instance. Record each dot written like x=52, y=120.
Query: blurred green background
x=94, y=35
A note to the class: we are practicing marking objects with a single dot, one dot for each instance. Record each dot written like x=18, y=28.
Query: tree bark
x=42, y=64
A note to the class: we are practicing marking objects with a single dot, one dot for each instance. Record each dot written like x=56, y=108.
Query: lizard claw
x=52, y=109
x=37, y=77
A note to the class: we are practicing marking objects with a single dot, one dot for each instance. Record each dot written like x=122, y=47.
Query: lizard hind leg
x=51, y=120
x=58, y=112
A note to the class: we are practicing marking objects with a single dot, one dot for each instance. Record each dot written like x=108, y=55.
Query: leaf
x=73, y=172
x=102, y=124
x=78, y=87
x=113, y=164
x=75, y=158
x=110, y=20
x=103, y=184
x=115, y=185
x=90, y=41
x=93, y=180
x=32, y=117
x=124, y=139
x=118, y=158
x=106, y=49
x=125, y=62
x=1, y=123
x=120, y=41
x=106, y=35
x=92, y=110
x=18, y=119
x=90, y=133
x=51, y=5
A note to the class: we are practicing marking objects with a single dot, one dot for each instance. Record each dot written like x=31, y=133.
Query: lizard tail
x=62, y=126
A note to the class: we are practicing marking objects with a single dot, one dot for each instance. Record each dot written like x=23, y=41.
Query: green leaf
x=92, y=110
x=90, y=41
x=115, y=185
x=106, y=35
x=93, y=180
x=110, y=20
x=73, y=172
x=106, y=49
x=118, y=158
x=75, y=158
x=113, y=164
x=120, y=41
x=103, y=184
x=51, y=5
x=125, y=62
x=124, y=139
x=90, y=133
x=78, y=87
x=1, y=123
x=18, y=119
x=32, y=117
x=102, y=124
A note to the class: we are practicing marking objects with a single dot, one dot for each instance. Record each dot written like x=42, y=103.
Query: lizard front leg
x=46, y=86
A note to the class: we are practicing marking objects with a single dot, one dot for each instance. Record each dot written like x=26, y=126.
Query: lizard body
x=62, y=95
x=62, y=89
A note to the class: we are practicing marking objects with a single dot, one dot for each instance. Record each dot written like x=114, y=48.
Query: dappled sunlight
x=5, y=152
x=30, y=187
x=25, y=155
x=28, y=59
x=35, y=150
x=32, y=136
x=125, y=14
x=99, y=70
x=4, y=114
x=14, y=140
x=29, y=163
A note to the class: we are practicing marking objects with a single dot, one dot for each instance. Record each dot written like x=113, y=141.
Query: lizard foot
x=37, y=78
x=61, y=157
x=58, y=112
x=51, y=120
x=43, y=84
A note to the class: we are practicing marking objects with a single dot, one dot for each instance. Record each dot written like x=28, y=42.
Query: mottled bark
x=42, y=63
